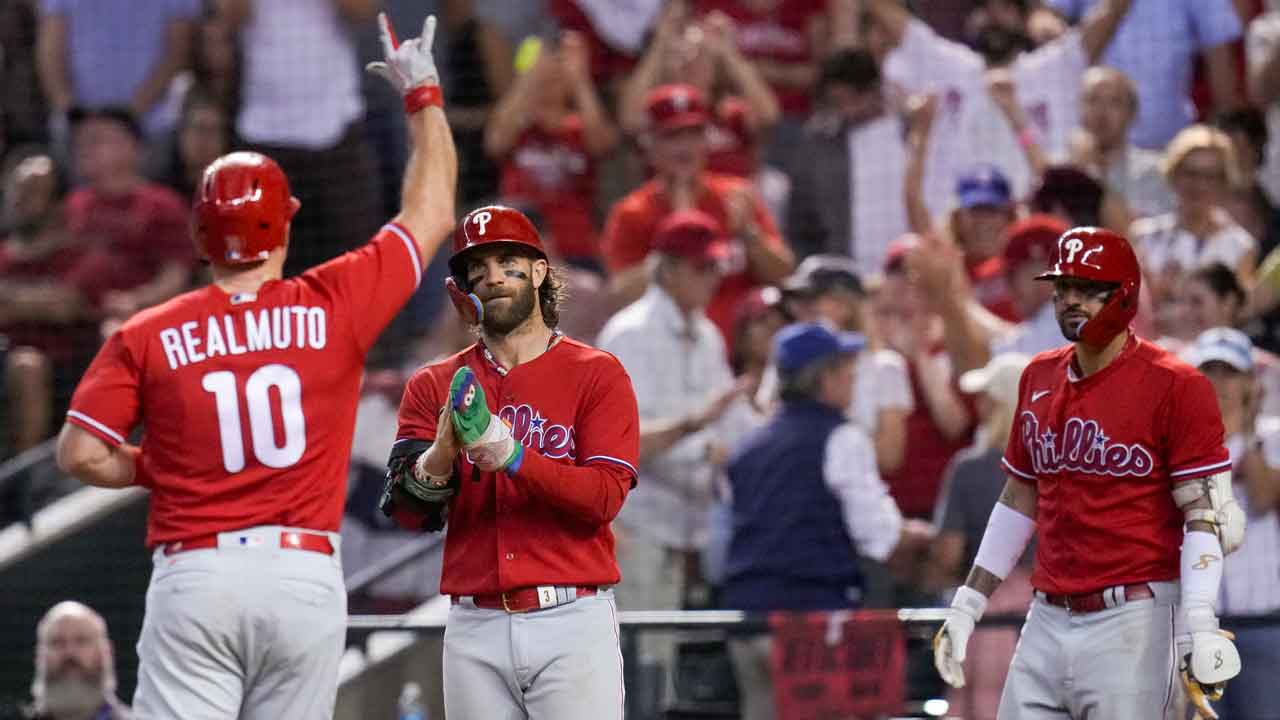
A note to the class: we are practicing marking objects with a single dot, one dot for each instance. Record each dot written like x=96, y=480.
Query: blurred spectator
x=940, y=423
x=973, y=483
x=122, y=53
x=1264, y=86
x=827, y=288
x=678, y=150
x=759, y=317
x=137, y=230
x=1156, y=45
x=301, y=105
x=1250, y=580
x=971, y=125
x=203, y=134
x=806, y=502
x=1199, y=165
x=702, y=53
x=783, y=39
x=676, y=360
x=847, y=173
x=75, y=669
x=479, y=71
x=1249, y=202
x=1108, y=107
x=548, y=131
x=1075, y=196
x=48, y=291
x=771, y=183
x=23, y=113
x=615, y=31
x=214, y=73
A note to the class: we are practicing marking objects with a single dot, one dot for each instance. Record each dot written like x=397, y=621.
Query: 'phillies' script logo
x=534, y=431
x=1082, y=447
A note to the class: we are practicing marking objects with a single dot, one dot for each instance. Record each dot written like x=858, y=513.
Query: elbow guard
x=1223, y=513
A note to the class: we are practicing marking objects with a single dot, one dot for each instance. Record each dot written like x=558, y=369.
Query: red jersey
x=72, y=266
x=574, y=411
x=780, y=35
x=628, y=237
x=141, y=230
x=554, y=171
x=1104, y=452
x=249, y=400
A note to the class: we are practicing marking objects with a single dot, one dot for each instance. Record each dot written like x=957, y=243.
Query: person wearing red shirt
x=529, y=522
x=1116, y=458
x=678, y=153
x=138, y=229
x=547, y=132
x=247, y=390
x=701, y=52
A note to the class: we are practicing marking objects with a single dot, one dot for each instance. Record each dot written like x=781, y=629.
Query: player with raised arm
x=1116, y=457
x=247, y=391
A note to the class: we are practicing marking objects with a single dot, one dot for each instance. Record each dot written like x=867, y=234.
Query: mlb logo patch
x=241, y=298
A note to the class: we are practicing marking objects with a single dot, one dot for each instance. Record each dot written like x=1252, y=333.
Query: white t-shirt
x=880, y=381
x=301, y=78
x=877, y=171
x=969, y=128
x=1251, y=574
x=1165, y=247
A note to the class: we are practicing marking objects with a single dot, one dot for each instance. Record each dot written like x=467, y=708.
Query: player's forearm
x=94, y=462
x=1099, y=26
x=591, y=493
x=1009, y=530
x=430, y=181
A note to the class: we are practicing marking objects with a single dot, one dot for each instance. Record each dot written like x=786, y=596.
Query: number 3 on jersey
x=261, y=423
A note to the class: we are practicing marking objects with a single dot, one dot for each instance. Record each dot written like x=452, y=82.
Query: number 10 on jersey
x=262, y=424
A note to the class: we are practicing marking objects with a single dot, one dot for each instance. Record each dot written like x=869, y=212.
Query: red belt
x=289, y=540
x=1100, y=600
x=524, y=599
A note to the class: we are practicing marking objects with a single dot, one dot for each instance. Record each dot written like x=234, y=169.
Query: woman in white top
x=1200, y=168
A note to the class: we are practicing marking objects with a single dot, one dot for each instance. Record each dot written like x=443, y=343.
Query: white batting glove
x=1207, y=658
x=949, y=644
x=408, y=65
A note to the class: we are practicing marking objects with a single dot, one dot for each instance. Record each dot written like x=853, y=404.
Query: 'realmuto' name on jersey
x=276, y=328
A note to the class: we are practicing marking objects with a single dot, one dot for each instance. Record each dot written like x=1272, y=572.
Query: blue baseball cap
x=983, y=185
x=1221, y=344
x=799, y=345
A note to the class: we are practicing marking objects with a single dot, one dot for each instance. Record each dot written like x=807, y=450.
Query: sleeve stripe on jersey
x=623, y=463
x=77, y=415
x=413, y=250
x=1203, y=469
x=1015, y=471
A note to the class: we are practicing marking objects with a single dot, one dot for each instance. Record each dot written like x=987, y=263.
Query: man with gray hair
x=75, y=673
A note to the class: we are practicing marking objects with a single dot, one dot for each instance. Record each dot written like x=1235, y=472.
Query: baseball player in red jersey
x=247, y=390
x=1116, y=456
x=527, y=443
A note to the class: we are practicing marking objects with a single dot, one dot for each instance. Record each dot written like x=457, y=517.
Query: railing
x=361, y=580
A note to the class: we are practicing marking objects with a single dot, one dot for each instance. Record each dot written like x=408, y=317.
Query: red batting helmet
x=492, y=224
x=242, y=209
x=1103, y=256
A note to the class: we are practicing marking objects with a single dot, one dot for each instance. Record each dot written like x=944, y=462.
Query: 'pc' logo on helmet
x=1074, y=245
x=482, y=218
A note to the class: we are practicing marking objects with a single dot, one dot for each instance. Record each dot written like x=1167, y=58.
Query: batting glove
x=408, y=66
x=949, y=644
x=487, y=439
x=1208, y=660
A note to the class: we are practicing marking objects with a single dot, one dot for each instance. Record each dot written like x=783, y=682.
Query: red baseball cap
x=691, y=235
x=896, y=253
x=676, y=107
x=1032, y=239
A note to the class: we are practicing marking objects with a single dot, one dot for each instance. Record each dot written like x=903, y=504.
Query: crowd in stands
x=704, y=173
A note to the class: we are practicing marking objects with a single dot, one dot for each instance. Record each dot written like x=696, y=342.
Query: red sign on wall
x=837, y=665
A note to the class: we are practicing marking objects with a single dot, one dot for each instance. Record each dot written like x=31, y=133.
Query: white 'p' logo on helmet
x=482, y=219
x=1073, y=246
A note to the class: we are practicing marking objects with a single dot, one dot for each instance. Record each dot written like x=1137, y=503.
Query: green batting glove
x=486, y=439
x=470, y=410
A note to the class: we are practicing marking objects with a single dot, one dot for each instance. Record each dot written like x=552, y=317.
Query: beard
x=502, y=316
x=71, y=696
x=1070, y=322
